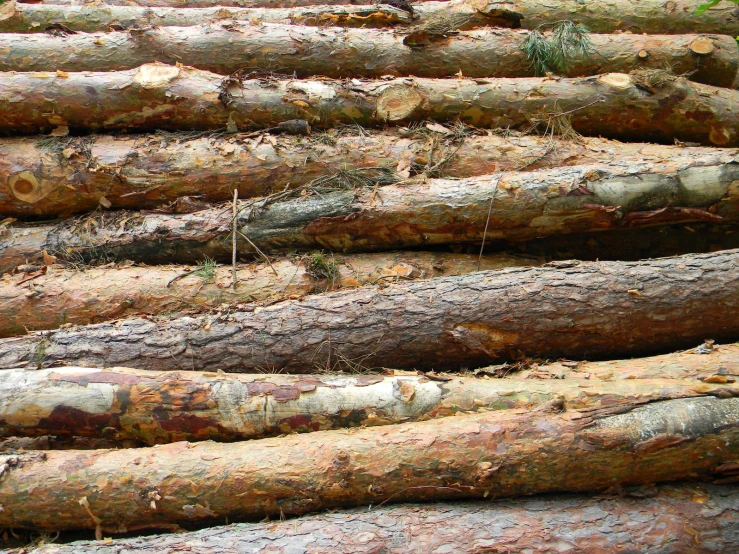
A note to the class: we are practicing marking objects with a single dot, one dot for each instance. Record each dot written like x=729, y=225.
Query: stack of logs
x=368, y=205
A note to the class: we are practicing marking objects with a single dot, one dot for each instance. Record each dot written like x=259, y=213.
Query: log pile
x=267, y=258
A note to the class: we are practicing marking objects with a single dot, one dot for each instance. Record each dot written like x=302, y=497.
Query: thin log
x=66, y=175
x=52, y=296
x=158, y=96
x=577, y=523
x=569, y=309
x=527, y=205
x=145, y=407
x=340, y=53
x=492, y=455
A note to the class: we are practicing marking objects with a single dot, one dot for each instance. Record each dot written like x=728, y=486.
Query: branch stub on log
x=397, y=102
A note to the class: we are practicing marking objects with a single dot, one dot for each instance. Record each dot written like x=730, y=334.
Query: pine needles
x=554, y=52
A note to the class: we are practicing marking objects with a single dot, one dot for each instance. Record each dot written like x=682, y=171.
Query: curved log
x=568, y=309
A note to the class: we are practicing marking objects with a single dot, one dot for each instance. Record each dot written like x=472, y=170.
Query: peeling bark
x=208, y=3
x=39, y=300
x=571, y=309
x=525, y=205
x=642, y=521
x=157, y=96
x=491, y=455
x=307, y=51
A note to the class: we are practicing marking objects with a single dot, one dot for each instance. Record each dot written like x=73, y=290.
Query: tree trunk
x=512, y=206
x=491, y=455
x=210, y=3
x=571, y=309
x=67, y=175
x=641, y=521
x=124, y=404
x=47, y=298
x=157, y=96
x=339, y=53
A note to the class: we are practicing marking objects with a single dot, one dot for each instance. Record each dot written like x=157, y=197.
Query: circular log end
x=702, y=46
x=397, y=102
x=25, y=187
x=617, y=80
x=643, y=54
x=153, y=75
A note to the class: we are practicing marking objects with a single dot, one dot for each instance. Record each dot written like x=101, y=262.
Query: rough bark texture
x=525, y=205
x=643, y=521
x=208, y=3
x=123, y=404
x=46, y=300
x=67, y=175
x=158, y=96
x=307, y=51
x=491, y=455
x=572, y=309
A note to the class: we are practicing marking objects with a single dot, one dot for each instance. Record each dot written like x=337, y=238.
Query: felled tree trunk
x=50, y=296
x=307, y=51
x=67, y=175
x=208, y=3
x=158, y=96
x=570, y=309
x=147, y=407
x=516, y=206
x=582, y=523
x=492, y=455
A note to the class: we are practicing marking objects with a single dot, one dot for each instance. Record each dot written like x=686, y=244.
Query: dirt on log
x=582, y=310
x=66, y=175
x=305, y=51
x=644, y=520
x=50, y=297
x=640, y=107
x=491, y=455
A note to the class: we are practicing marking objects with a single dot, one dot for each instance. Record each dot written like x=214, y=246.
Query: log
x=66, y=175
x=492, y=455
x=646, y=16
x=207, y=3
x=341, y=53
x=53, y=296
x=579, y=310
x=146, y=407
x=158, y=96
x=503, y=206
x=643, y=521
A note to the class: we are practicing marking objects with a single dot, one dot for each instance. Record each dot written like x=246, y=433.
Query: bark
x=572, y=309
x=63, y=297
x=492, y=455
x=646, y=16
x=157, y=96
x=306, y=51
x=208, y=3
x=525, y=205
x=67, y=175
x=642, y=521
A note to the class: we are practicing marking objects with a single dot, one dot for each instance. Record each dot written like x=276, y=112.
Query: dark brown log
x=642, y=521
x=490, y=455
x=570, y=309
x=123, y=404
x=158, y=96
x=66, y=175
x=52, y=296
x=341, y=53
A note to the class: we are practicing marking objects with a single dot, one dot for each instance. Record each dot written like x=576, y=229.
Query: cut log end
x=397, y=102
x=617, y=80
x=702, y=46
x=155, y=75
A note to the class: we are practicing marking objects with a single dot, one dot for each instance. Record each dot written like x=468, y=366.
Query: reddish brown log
x=571, y=309
x=490, y=455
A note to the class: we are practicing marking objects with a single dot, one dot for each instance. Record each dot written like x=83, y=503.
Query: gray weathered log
x=568, y=309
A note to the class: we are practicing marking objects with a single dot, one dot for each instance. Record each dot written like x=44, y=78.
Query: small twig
x=262, y=254
x=233, y=237
x=487, y=221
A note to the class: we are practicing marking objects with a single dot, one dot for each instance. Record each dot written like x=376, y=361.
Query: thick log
x=158, y=96
x=340, y=53
x=492, y=455
x=571, y=309
x=643, y=521
x=208, y=3
x=122, y=404
x=517, y=206
x=53, y=296
x=645, y=16
x=66, y=175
